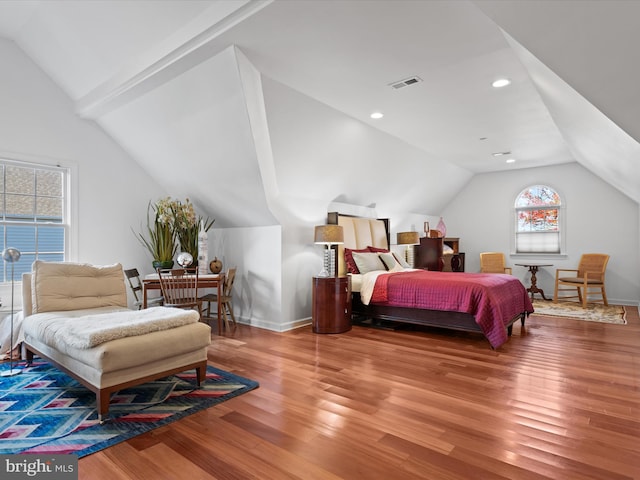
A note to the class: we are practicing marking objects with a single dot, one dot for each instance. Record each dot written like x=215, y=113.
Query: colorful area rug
x=42, y=410
x=593, y=313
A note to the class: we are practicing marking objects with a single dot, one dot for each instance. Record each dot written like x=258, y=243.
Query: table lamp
x=11, y=255
x=409, y=239
x=329, y=235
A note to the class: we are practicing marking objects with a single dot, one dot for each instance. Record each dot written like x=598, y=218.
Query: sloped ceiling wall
x=596, y=141
x=192, y=134
x=359, y=165
x=581, y=56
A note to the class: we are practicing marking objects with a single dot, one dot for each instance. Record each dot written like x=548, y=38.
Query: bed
x=487, y=304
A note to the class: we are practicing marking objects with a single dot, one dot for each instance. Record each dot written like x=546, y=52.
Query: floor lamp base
x=10, y=373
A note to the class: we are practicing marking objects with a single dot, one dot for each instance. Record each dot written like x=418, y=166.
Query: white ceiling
x=346, y=53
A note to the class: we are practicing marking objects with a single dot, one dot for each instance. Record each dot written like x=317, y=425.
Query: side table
x=331, y=304
x=533, y=269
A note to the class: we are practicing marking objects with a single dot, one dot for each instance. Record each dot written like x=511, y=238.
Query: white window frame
x=561, y=225
x=70, y=206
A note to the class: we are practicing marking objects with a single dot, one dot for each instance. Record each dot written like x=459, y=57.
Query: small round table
x=533, y=268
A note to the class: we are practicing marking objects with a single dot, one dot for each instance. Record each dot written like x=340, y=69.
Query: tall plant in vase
x=160, y=236
x=187, y=225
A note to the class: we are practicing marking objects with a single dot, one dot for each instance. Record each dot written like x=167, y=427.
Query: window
x=34, y=219
x=538, y=220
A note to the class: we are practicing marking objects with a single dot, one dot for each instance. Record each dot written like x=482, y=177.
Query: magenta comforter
x=493, y=299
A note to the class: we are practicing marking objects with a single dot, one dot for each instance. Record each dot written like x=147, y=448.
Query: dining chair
x=493, y=262
x=226, y=301
x=133, y=277
x=589, y=276
x=180, y=288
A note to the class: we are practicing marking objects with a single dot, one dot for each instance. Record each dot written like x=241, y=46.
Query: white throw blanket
x=90, y=330
x=368, y=282
x=5, y=334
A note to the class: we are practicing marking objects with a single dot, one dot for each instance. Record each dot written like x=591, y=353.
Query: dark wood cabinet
x=428, y=254
x=331, y=304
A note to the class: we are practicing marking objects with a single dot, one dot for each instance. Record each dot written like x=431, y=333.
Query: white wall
x=255, y=253
x=37, y=121
x=598, y=218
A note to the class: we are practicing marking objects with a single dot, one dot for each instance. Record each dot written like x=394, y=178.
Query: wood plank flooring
x=560, y=400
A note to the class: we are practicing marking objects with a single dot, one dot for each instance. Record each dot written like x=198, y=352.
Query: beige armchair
x=493, y=262
x=588, y=277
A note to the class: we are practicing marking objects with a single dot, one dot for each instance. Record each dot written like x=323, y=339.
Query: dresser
x=429, y=255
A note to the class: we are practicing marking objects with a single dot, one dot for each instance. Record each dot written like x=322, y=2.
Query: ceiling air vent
x=405, y=83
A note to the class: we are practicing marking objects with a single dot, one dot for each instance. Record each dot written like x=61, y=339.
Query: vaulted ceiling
x=156, y=74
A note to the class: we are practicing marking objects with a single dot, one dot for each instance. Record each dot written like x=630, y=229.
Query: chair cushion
x=580, y=280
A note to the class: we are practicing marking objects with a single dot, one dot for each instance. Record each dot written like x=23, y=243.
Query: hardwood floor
x=560, y=400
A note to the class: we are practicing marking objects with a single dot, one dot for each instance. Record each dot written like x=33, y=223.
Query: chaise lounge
x=76, y=317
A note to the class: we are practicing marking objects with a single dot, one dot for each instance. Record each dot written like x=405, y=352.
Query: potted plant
x=187, y=226
x=160, y=238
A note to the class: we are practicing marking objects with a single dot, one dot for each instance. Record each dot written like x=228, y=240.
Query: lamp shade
x=408, y=238
x=329, y=234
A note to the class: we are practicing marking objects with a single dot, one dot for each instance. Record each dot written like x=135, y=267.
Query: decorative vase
x=442, y=227
x=165, y=264
x=203, y=250
x=215, y=266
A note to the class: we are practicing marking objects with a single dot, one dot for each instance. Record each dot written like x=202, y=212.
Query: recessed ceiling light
x=377, y=115
x=501, y=82
x=511, y=160
x=499, y=154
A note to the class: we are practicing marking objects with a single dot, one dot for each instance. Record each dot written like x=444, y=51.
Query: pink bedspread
x=493, y=299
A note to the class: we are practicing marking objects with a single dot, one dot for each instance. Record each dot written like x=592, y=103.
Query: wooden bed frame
x=355, y=237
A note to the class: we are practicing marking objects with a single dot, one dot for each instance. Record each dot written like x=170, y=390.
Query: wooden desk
x=152, y=282
x=533, y=268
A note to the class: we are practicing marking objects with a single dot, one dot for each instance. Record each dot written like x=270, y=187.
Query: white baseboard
x=275, y=327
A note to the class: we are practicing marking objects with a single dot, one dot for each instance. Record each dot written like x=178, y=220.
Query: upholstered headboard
x=59, y=286
x=359, y=233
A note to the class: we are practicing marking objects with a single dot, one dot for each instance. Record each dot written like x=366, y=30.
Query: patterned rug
x=42, y=410
x=593, y=313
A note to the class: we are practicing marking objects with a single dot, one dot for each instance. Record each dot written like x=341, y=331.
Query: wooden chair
x=493, y=262
x=133, y=277
x=180, y=288
x=226, y=301
x=588, y=276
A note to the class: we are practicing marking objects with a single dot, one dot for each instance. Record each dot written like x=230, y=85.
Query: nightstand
x=331, y=304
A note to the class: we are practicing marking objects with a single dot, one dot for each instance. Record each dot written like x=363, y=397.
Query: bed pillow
x=377, y=249
x=401, y=260
x=390, y=262
x=348, y=259
x=368, y=262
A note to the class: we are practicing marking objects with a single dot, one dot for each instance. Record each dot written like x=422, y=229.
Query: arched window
x=538, y=220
